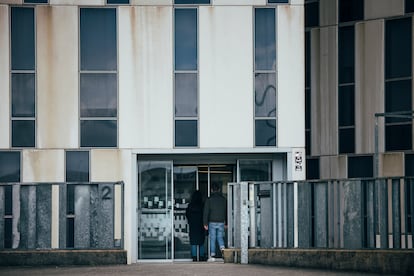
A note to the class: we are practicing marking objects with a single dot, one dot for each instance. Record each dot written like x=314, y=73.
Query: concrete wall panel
x=14, y=2
x=324, y=91
x=333, y=167
x=145, y=77
x=328, y=12
x=43, y=165
x=110, y=165
x=226, y=77
x=290, y=77
x=57, y=75
x=369, y=84
x=392, y=164
x=151, y=2
x=383, y=8
x=4, y=78
x=239, y=2
x=78, y=2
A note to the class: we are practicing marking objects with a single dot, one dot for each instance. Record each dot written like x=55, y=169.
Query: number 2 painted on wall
x=106, y=192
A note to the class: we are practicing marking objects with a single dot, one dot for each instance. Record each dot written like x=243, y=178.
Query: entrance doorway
x=164, y=191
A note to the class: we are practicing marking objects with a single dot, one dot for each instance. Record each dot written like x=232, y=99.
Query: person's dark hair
x=196, y=199
x=215, y=187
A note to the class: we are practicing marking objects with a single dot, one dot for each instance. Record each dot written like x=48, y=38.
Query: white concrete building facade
x=166, y=96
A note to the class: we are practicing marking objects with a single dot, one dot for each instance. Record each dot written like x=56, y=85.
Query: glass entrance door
x=154, y=210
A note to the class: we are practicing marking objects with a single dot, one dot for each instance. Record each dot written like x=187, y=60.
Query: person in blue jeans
x=215, y=219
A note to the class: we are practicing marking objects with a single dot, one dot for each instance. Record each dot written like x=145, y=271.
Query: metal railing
x=341, y=214
x=85, y=215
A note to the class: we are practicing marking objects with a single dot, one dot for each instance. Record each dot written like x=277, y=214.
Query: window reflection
x=255, y=170
x=23, y=133
x=77, y=166
x=265, y=132
x=23, y=95
x=185, y=39
x=265, y=39
x=98, y=133
x=98, y=95
x=186, y=133
x=9, y=166
x=265, y=95
x=186, y=95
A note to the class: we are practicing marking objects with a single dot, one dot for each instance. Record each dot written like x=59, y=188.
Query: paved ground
x=171, y=269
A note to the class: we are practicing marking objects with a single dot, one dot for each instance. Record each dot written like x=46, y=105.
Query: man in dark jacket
x=215, y=219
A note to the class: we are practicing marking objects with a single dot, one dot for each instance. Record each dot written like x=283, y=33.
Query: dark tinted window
x=98, y=95
x=312, y=14
x=278, y=1
x=312, y=168
x=77, y=166
x=398, y=98
x=307, y=59
x=351, y=10
x=185, y=39
x=23, y=95
x=347, y=140
x=360, y=166
x=98, y=39
x=398, y=137
x=22, y=39
x=308, y=141
x=186, y=99
x=346, y=54
x=23, y=133
x=265, y=39
x=98, y=133
x=409, y=6
x=118, y=1
x=192, y=1
x=9, y=166
x=409, y=165
x=398, y=48
x=186, y=133
x=346, y=106
x=265, y=132
x=35, y=1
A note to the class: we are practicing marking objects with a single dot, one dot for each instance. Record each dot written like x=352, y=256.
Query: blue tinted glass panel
x=265, y=95
x=360, y=166
x=186, y=99
x=312, y=14
x=8, y=200
x=185, y=39
x=312, y=168
x=265, y=132
x=23, y=95
x=35, y=1
x=351, y=10
x=118, y=1
x=255, y=170
x=308, y=142
x=278, y=1
x=102, y=133
x=346, y=106
x=70, y=199
x=398, y=47
x=98, y=95
x=9, y=166
x=70, y=232
x=23, y=133
x=22, y=39
x=8, y=232
x=398, y=137
x=346, y=54
x=77, y=166
x=186, y=134
x=397, y=98
x=98, y=39
x=192, y=2
x=265, y=39
x=347, y=140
